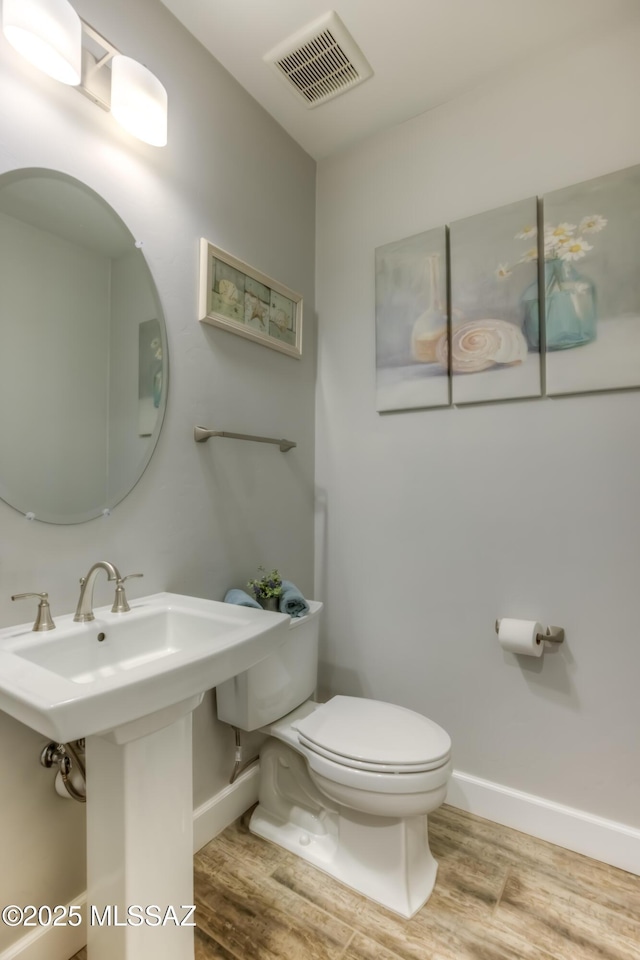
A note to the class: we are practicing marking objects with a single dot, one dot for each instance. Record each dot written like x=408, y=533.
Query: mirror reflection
x=83, y=353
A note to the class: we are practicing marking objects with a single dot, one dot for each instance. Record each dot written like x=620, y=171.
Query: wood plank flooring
x=500, y=895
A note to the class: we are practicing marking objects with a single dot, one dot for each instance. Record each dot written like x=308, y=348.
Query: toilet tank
x=278, y=684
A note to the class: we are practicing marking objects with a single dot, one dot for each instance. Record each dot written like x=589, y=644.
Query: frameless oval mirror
x=83, y=352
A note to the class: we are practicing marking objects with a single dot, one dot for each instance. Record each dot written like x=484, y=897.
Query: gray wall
x=202, y=517
x=432, y=524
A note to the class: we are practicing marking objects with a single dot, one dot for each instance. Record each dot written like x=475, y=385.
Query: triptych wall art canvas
x=411, y=322
x=592, y=284
x=499, y=336
x=494, y=272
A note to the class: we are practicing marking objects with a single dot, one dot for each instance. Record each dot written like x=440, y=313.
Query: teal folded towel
x=292, y=601
x=241, y=598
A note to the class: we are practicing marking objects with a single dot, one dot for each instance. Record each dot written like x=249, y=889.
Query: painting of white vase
x=411, y=322
x=494, y=260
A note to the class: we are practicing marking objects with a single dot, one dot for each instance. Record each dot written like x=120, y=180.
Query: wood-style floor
x=500, y=895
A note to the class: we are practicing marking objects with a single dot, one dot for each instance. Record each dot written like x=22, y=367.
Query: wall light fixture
x=51, y=36
x=138, y=100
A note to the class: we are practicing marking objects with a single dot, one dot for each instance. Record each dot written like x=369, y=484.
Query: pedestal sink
x=128, y=683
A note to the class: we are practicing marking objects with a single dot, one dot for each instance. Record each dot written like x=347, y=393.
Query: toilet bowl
x=347, y=785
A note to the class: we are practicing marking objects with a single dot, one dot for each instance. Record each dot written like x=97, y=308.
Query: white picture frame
x=244, y=301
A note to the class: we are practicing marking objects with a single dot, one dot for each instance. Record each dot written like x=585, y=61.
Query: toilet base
x=384, y=858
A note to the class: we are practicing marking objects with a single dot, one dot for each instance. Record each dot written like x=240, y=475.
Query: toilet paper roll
x=519, y=636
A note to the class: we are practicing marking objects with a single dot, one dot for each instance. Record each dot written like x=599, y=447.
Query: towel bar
x=200, y=434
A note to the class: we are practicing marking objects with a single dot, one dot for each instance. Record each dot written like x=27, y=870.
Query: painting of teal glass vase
x=570, y=308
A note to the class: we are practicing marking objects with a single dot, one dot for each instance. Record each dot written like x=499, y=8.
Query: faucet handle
x=120, y=604
x=43, y=616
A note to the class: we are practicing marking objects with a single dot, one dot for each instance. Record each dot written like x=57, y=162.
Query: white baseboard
x=210, y=819
x=606, y=840
x=223, y=808
x=50, y=943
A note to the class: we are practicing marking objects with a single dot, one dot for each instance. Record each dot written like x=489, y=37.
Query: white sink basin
x=87, y=678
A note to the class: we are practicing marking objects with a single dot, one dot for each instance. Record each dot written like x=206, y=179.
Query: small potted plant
x=267, y=589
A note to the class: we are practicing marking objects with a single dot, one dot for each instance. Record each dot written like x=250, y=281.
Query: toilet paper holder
x=552, y=635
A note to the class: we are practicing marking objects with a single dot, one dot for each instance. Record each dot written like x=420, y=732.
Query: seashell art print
x=488, y=336
x=480, y=344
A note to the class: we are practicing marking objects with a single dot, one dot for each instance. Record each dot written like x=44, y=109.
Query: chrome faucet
x=84, y=611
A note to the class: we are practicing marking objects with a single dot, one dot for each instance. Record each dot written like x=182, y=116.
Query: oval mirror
x=83, y=351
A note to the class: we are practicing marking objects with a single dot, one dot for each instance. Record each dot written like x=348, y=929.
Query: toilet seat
x=372, y=782
x=367, y=765
x=373, y=736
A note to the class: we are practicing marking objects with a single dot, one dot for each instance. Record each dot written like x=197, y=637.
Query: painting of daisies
x=494, y=304
x=412, y=323
x=591, y=247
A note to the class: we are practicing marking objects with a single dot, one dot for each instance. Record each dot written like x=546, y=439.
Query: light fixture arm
x=97, y=54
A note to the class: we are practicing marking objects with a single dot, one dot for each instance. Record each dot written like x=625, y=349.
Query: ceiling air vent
x=320, y=61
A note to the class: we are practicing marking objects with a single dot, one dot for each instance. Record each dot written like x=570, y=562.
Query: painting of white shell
x=227, y=295
x=592, y=284
x=494, y=305
x=411, y=322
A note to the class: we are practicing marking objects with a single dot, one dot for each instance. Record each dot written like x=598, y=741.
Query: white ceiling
x=423, y=52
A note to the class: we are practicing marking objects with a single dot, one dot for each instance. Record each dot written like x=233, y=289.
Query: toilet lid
x=372, y=735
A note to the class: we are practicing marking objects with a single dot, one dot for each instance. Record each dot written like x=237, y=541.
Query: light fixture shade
x=138, y=100
x=48, y=33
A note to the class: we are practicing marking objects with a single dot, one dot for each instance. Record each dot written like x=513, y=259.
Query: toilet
x=347, y=785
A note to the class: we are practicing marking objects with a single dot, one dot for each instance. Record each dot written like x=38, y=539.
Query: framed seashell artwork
x=412, y=323
x=495, y=324
x=592, y=284
x=244, y=301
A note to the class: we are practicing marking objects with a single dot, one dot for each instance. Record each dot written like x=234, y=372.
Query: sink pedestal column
x=140, y=838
